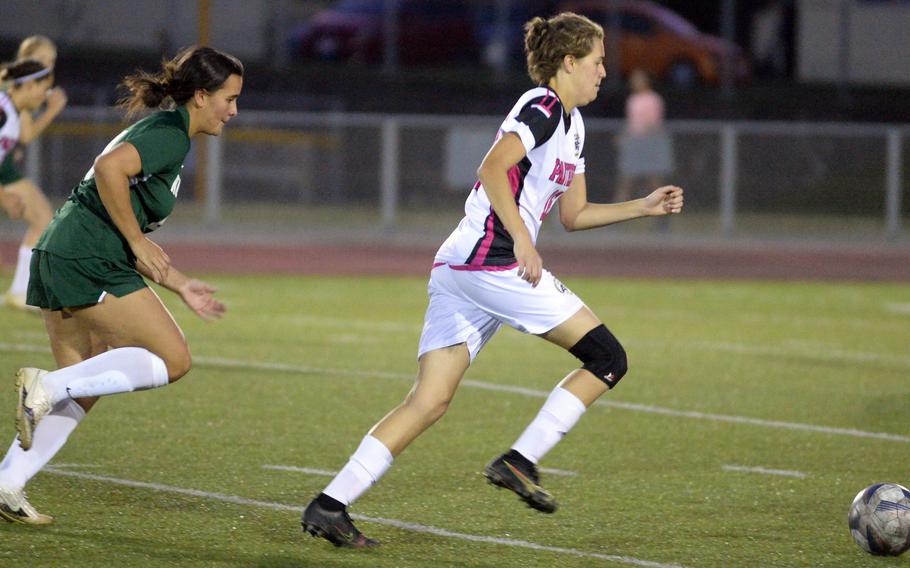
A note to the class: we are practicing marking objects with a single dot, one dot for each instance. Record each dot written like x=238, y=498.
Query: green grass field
x=752, y=414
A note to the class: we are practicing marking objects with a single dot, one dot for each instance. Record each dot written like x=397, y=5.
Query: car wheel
x=683, y=73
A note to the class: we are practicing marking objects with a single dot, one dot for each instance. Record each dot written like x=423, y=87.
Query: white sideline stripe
x=747, y=469
x=71, y=465
x=378, y=520
x=553, y=471
x=830, y=354
x=896, y=308
x=259, y=366
x=308, y=470
x=329, y=473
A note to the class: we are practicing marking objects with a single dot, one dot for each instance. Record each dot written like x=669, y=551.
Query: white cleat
x=34, y=403
x=15, y=508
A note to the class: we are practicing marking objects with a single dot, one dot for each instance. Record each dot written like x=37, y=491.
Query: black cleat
x=334, y=526
x=522, y=479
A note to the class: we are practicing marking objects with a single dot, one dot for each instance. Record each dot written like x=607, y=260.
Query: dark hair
x=548, y=41
x=192, y=69
x=23, y=68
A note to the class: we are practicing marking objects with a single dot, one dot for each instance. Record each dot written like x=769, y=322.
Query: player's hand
x=56, y=100
x=664, y=200
x=530, y=265
x=199, y=297
x=153, y=257
x=12, y=203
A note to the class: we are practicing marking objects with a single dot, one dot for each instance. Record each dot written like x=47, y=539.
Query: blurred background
x=787, y=120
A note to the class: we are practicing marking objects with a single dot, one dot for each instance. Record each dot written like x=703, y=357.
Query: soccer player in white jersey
x=488, y=272
x=25, y=199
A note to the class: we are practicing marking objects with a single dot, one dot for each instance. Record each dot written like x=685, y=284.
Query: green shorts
x=9, y=171
x=56, y=282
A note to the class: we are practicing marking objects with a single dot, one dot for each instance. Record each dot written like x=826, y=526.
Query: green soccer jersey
x=82, y=227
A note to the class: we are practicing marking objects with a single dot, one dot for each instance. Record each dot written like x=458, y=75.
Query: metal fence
x=740, y=178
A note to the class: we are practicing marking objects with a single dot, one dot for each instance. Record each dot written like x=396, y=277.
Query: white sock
x=20, y=277
x=19, y=466
x=365, y=467
x=125, y=369
x=559, y=414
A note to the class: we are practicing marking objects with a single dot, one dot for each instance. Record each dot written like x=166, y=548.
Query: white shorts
x=468, y=306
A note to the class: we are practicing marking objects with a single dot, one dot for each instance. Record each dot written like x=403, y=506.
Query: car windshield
x=359, y=6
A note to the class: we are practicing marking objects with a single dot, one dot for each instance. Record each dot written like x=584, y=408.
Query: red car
x=430, y=32
x=661, y=42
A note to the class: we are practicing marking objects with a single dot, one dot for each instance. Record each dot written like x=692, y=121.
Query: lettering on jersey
x=577, y=144
x=563, y=173
x=560, y=287
x=550, y=202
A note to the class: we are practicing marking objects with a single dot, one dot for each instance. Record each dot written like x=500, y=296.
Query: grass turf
x=302, y=367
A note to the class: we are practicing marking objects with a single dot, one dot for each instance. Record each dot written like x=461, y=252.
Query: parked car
x=661, y=42
x=430, y=32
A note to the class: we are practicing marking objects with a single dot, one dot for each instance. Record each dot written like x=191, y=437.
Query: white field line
x=72, y=465
x=220, y=362
x=413, y=527
x=329, y=473
x=562, y=472
x=307, y=470
x=896, y=308
x=747, y=469
x=830, y=354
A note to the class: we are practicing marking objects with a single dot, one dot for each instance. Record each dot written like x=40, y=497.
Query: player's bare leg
x=584, y=336
x=439, y=374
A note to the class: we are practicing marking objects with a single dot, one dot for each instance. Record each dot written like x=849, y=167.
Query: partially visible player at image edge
x=109, y=332
x=488, y=273
x=23, y=198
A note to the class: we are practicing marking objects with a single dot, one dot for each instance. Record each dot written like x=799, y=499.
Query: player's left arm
x=31, y=127
x=196, y=294
x=576, y=213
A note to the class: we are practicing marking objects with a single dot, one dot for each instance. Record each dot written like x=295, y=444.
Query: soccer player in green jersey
x=109, y=332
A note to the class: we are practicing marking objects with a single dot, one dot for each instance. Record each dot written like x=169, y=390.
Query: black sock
x=518, y=459
x=329, y=503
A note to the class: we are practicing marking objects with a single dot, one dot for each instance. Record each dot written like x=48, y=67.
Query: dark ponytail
x=192, y=69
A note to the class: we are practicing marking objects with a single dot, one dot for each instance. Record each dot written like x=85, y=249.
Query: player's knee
x=178, y=364
x=602, y=355
x=430, y=407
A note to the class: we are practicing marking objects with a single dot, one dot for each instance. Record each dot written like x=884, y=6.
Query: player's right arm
x=32, y=127
x=113, y=171
x=493, y=175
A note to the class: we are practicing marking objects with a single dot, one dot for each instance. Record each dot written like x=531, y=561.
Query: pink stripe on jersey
x=484, y=249
x=483, y=268
x=481, y=256
x=438, y=264
x=547, y=112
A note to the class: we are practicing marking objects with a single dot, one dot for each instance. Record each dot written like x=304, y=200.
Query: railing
x=728, y=168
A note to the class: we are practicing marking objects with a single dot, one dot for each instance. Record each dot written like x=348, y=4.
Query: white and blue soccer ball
x=879, y=519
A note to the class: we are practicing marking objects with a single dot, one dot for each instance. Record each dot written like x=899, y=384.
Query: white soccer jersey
x=9, y=125
x=554, y=144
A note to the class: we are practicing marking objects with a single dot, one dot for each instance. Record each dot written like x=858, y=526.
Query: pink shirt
x=644, y=112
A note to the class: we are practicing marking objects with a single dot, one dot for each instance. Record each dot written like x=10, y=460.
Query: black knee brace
x=602, y=355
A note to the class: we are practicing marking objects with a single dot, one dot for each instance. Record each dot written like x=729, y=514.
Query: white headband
x=36, y=75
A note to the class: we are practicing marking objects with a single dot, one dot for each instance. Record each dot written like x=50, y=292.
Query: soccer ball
x=879, y=519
